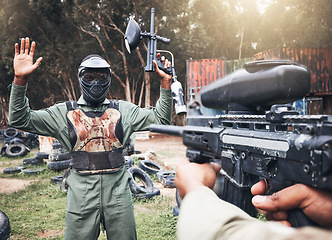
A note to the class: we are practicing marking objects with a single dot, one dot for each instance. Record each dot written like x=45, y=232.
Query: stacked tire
x=15, y=150
x=28, y=162
x=150, y=167
x=166, y=178
x=16, y=143
x=59, y=158
x=35, y=161
x=141, y=184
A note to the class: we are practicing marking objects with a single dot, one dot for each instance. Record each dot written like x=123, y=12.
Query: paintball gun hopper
x=257, y=87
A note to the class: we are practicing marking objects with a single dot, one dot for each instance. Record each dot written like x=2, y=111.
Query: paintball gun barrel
x=278, y=145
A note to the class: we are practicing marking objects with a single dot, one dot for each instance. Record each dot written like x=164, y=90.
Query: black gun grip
x=161, y=66
x=297, y=218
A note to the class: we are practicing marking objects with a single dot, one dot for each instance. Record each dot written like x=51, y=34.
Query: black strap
x=71, y=131
x=82, y=160
x=114, y=104
x=71, y=105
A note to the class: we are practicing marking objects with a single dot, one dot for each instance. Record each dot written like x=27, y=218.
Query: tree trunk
x=141, y=95
x=147, y=89
x=4, y=111
x=241, y=42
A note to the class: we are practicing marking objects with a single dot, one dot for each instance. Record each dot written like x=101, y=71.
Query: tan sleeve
x=205, y=216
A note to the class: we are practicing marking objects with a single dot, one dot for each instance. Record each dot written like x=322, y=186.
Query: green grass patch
x=38, y=212
x=38, y=208
x=154, y=218
x=6, y=159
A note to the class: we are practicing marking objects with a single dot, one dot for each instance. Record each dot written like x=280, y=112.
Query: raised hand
x=165, y=79
x=23, y=61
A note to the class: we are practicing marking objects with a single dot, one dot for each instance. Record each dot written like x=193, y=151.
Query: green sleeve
x=47, y=122
x=136, y=119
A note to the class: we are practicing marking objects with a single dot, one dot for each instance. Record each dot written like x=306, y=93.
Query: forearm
x=19, y=110
x=21, y=81
x=47, y=122
x=166, y=82
x=164, y=106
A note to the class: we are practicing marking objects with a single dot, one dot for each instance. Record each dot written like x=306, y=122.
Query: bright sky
x=262, y=4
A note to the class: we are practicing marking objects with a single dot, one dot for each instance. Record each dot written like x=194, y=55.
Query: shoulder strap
x=114, y=104
x=71, y=105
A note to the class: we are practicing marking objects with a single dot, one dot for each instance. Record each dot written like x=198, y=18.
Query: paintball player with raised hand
x=94, y=129
x=204, y=215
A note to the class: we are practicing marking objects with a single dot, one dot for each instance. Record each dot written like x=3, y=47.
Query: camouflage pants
x=99, y=198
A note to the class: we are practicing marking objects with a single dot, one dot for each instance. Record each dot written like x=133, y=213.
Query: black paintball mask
x=94, y=75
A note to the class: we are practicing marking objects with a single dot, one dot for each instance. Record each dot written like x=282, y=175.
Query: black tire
x=34, y=171
x=150, y=167
x=10, y=132
x=32, y=161
x=57, y=179
x=178, y=198
x=176, y=211
x=59, y=156
x=14, y=140
x=3, y=150
x=168, y=181
x=56, y=144
x=4, y=226
x=59, y=165
x=129, y=161
x=41, y=155
x=13, y=170
x=16, y=150
x=162, y=174
x=143, y=178
x=147, y=195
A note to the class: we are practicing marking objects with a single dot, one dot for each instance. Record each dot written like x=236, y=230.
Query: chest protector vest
x=96, y=137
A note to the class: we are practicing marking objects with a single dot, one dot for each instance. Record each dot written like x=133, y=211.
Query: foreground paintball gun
x=133, y=36
x=261, y=137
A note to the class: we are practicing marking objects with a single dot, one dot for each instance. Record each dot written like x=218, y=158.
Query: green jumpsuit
x=96, y=197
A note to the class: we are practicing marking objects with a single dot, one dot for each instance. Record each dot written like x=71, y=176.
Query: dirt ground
x=169, y=149
x=166, y=150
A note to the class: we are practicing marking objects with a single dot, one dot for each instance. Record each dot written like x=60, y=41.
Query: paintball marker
x=261, y=137
x=133, y=36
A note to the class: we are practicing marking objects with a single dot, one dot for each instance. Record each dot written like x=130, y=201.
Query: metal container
x=202, y=72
